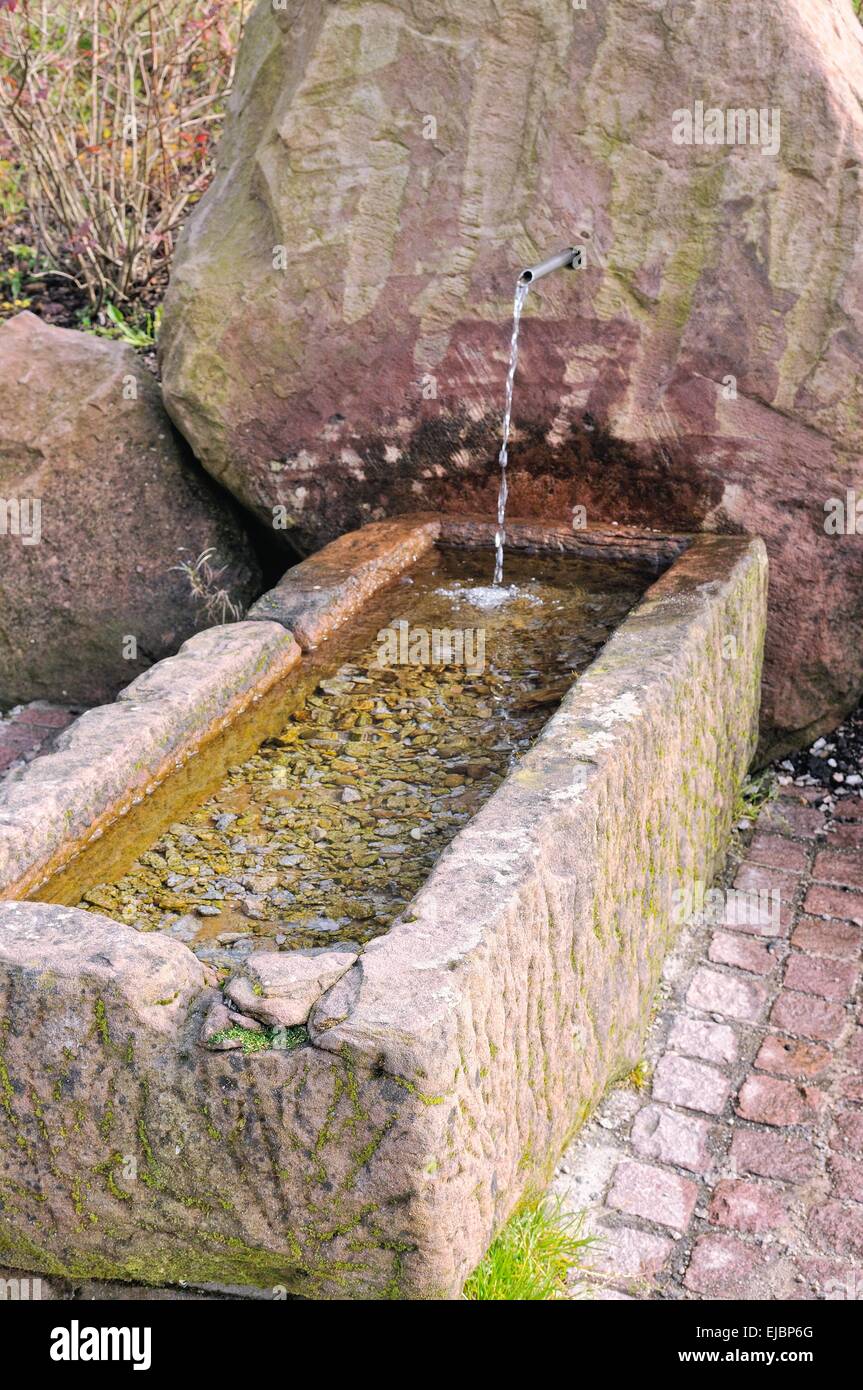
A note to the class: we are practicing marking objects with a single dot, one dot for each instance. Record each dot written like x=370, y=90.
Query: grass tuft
x=755, y=793
x=142, y=333
x=203, y=579
x=532, y=1257
x=639, y=1077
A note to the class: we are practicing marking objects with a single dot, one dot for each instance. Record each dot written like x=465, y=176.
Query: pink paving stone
x=829, y=1281
x=831, y=979
x=639, y=1189
x=762, y=901
x=849, y=1131
x=788, y=1057
x=761, y=924
x=714, y=1042
x=767, y=1101
x=808, y=1016
x=750, y=1207
x=838, y=1229
x=722, y=1266
x=728, y=948
x=20, y=736
x=778, y=852
x=842, y=940
x=757, y=912
x=680, y=1081
x=773, y=1155
x=46, y=716
x=851, y=1087
x=802, y=822
x=759, y=877
x=850, y=1068
x=848, y=808
x=672, y=1138
x=833, y=902
x=847, y=1178
x=848, y=836
x=716, y=993
x=852, y=1052
x=625, y=1253
x=13, y=750
x=28, y=730
x=832, y=866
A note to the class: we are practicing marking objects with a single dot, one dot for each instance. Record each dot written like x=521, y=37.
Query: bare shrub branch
x=110, y=108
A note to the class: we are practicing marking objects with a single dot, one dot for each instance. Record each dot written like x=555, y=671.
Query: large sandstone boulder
x=336, y=331
x=99, y=504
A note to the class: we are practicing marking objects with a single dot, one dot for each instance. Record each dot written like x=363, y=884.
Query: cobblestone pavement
x=737, y=1170
x=29, y=730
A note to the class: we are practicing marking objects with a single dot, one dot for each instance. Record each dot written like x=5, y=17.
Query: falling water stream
x=521, y=290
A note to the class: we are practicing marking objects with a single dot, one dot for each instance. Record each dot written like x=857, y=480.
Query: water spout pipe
x=570, y=259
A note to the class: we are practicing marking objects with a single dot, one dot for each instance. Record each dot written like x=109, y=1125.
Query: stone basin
x=440, y=1071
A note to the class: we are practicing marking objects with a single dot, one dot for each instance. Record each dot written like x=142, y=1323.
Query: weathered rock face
x=99, y=503
x=401, y=162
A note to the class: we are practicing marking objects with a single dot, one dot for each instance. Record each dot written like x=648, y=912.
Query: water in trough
x=395, y=733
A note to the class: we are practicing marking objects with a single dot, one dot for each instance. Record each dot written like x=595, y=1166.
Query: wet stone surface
x=325, y=834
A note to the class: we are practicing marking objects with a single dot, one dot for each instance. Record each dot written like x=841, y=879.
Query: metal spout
x=570, y=259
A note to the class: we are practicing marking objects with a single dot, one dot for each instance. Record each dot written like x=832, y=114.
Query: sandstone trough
x=406, y=1094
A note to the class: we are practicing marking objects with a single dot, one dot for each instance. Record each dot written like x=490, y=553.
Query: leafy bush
x=108, y=109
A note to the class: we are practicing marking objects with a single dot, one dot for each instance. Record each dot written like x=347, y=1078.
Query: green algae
x=414, y=1091
x=106, y=1170
x=101, y=1022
